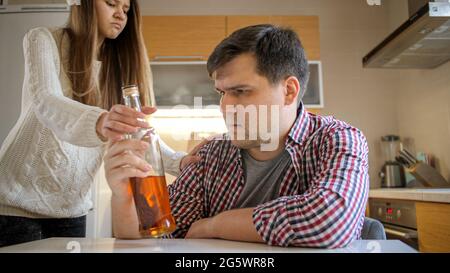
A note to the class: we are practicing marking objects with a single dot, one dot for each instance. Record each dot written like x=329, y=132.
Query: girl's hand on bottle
x=121, y=120
x=192, y=157
x=123, y=160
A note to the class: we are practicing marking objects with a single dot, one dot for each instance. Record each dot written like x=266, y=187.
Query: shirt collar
x=301, y=129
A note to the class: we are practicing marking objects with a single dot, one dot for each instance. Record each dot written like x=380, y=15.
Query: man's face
x=250, y=104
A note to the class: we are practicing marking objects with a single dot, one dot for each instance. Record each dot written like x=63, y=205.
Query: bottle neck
x=133, y=102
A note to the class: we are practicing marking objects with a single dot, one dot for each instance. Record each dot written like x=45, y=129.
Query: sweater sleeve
x=69, y=120
x=171, y=159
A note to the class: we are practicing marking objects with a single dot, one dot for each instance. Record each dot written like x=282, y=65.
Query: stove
x=398, y=218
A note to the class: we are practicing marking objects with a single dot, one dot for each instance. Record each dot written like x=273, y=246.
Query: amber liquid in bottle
x=152, y=206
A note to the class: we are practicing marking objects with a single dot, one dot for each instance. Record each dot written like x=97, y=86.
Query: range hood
x=422, y=42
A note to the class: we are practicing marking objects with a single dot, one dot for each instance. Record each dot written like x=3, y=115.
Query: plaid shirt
x=322, y=195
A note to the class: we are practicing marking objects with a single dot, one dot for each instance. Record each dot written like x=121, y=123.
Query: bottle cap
x=130, y=90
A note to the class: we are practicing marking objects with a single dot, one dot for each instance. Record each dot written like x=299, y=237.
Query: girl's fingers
x=124, y=120
x=188, y=160
x=120, y=127
x=148, y=110
x=127, y=111
x=128, y=120
x=199, y=146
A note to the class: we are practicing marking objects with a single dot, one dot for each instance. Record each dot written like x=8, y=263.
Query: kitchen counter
x=425, y=195
x=108, y=245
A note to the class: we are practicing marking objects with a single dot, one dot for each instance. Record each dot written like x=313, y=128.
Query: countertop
x=109, y=245
x=426, y=194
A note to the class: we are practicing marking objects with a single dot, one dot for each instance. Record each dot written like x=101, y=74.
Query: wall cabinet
x=179, y=46
x=182, y=38
x=175, y=38
x=306, y=27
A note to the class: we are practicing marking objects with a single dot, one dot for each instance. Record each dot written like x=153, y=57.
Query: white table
x=109, y=245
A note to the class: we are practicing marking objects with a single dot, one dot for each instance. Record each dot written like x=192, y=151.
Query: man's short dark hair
x=278, y=52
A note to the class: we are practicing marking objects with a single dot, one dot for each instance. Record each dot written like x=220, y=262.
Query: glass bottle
x=150, y=193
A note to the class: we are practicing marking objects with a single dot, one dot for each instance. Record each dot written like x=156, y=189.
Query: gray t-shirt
x=262, y=179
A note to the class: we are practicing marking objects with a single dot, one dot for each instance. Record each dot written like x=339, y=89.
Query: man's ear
x=292, y=86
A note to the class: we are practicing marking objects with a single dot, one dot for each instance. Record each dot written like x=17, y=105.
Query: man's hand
x=123, y=160
x=203, y=228
x=234, y=225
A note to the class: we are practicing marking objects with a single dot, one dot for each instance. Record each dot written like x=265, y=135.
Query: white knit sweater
x=49, y=159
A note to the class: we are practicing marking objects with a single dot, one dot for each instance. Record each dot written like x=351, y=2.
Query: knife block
x=428, y=176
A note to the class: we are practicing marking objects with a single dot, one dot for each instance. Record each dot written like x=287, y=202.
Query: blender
x=392, y=173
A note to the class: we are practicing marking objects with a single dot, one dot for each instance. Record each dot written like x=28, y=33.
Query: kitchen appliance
x=423, y=41
x=182, y=88
x=426, y=176
x=398, y=218
x=15, y=21
x=392, y=173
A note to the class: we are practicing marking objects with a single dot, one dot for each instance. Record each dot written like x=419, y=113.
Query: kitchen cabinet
x=432, y=211
x=433, y=226
x=307, y=27
x=182, y=38
x=181, y=45
x=175, y=38
x=179, y=83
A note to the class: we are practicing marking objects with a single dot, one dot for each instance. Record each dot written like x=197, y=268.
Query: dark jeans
x=17, y=230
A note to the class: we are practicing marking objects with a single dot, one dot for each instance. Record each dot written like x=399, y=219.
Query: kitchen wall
x=424, y=113
x=423, y=103
x=397, y=13
x=348, y=30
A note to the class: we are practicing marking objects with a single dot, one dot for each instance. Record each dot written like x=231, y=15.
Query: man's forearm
x=236, y=225
x=124, y=218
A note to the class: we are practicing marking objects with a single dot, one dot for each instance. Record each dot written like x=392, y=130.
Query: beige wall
x=424, y=113
x=397, y=13
x=367, y=99
x=414, y=104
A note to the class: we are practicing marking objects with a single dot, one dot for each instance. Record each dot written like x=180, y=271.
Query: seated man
x=309, y=189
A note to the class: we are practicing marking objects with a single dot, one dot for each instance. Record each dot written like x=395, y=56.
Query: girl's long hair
x=124, y=59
